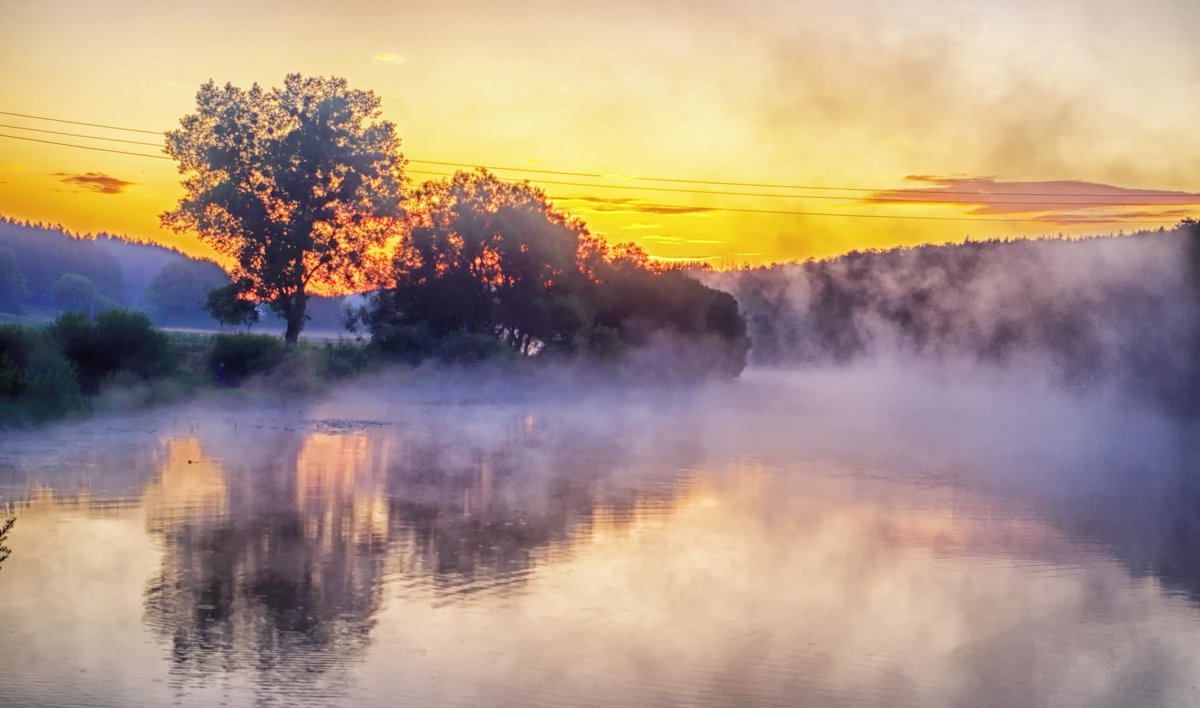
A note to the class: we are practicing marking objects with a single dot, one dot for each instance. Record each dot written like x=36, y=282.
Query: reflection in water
x=509, y=554
x=274, y=557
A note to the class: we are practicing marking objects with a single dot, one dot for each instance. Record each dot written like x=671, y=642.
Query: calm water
x=760, y=543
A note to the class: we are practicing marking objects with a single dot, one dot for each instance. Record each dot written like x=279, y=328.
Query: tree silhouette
x=490, y=261
x=297, y=185
x=485, y=256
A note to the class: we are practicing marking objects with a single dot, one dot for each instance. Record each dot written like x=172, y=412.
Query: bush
x=236, y=357
x=471, y=348
x=342, y=359
x=36, y=381
x=116, y=340
x=407, y=343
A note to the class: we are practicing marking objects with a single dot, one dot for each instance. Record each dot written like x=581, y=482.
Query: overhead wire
x=684, y=208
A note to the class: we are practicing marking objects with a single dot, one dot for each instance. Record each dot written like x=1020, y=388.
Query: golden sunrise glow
x=907, y=98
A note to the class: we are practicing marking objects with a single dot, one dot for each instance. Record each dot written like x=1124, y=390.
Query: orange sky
x=1050, y=106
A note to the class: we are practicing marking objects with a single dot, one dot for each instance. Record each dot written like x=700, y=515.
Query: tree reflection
x=275, y=555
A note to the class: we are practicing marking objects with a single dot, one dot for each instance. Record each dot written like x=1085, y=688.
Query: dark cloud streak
x=95, y=181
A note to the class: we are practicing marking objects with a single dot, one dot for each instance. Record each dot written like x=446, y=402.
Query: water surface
x=757, y=543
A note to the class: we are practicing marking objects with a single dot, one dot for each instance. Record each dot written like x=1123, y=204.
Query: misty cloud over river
x=908, y=525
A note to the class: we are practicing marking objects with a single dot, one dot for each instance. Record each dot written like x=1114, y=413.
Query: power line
x=823, y=197
x=671, y=209
x=765, y=185
x=683, y=209
x=679, y=209
x=85, y=147
x=81, y=135
x=77, y=122
x=689, y=209
x=875, y=190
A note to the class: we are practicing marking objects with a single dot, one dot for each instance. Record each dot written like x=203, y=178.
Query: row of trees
x=302, y=187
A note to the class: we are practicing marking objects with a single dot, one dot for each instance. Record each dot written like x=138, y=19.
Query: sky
x=1003, y=118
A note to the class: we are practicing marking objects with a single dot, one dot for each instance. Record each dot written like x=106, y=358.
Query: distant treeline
x=46, y=269
x=1120, y=307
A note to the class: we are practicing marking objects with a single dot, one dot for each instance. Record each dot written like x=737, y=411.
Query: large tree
x=491, y=259
x=298, y=185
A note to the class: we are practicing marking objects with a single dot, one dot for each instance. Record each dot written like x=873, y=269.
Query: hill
x=1123, y=308
x=35, y=258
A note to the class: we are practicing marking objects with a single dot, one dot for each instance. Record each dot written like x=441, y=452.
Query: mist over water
x=905, y=526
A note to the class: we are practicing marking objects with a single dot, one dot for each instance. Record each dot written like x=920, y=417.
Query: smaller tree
x=74, y=293
x=179, y=292
x=227, y=305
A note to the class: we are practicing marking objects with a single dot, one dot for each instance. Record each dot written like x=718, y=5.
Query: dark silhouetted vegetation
x=5, y=551
x=491, y=266
x=295, y=184
x=113, y=341
x=37, y=382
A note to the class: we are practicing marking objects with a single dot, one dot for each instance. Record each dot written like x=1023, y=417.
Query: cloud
x=1054, y=202
x=389, y=58
x=639, y=226
x=633, y=206
x=95, y=181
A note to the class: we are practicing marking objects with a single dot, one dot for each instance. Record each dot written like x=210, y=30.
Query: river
x=824, y=540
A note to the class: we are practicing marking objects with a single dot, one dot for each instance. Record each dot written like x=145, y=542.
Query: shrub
x=116, y=340
x=236, y=357
x=342, y=359
x=407, y=343
x=471, y=348
x=36, y=381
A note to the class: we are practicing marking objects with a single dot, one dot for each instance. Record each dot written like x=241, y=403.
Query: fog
x=927, y=518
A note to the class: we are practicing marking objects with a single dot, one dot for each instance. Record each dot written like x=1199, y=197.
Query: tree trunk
x=294, y=325
x=294, y=316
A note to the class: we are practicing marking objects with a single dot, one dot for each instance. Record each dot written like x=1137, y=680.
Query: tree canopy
x=299, y=185
x=486, y=258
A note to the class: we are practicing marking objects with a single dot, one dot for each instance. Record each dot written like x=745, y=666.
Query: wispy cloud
x=389, y=58
x=679, y=239
x=632, y=206
x=1056, y=202
x=639, y=226
x=95, y=181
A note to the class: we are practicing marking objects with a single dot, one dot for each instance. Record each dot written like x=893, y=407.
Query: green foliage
x=12, y=282
x=393, y=340
x=36, y=380
x=179, y=292
x=116, y=340
x=342, y=359
x=236, y=357
x=296, y=184
x=227, y=306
